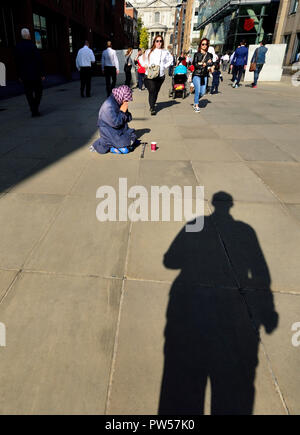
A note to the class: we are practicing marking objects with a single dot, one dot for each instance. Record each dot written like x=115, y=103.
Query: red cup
x=153, y=146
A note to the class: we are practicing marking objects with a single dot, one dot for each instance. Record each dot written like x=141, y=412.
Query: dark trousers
x=214, y=88
x=86, y=79
x=110, y=73
x=153, y=86
x=128, y=76
x=33, y=91
x=141, y=80
x=237, y=73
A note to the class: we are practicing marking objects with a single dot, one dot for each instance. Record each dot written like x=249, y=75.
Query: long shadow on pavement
x=209, y=335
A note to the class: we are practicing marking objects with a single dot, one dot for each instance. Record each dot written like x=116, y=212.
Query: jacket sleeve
x=114, y=118
x=246, y=57
x=168, y=60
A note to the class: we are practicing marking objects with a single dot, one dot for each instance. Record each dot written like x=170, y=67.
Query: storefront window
x=40, y=31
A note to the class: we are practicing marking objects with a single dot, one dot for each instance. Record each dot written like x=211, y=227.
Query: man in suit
x=30, y=71
x=240, y=62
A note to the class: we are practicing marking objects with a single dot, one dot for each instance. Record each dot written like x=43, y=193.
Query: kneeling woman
x=115, y=135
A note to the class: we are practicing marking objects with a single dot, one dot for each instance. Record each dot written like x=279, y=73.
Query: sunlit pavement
x=94, y=314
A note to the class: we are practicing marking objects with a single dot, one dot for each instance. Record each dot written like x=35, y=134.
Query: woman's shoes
x=153, y=112
x=123, y=150
x=197, y=109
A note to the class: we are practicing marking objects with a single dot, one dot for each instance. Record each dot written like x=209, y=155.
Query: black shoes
x=153, y=112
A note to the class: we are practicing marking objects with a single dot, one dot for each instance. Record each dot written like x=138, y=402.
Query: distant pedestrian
x=30, y=71
x=110, y=67
x=240, y=62
x=217, y=76
x=128, y=66
x=225, y=61
x=259, y=57
x=202, y=62
x=84, y=60
x=115, y=135
x=141, y=70
x=155, y=61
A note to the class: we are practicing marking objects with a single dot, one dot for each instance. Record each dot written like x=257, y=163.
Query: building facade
x=287, y=30
x=59, y=28
x=227, y=22
x=131, y=19
x=158, y=18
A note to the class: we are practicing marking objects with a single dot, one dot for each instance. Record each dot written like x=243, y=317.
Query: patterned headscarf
x=121, y=94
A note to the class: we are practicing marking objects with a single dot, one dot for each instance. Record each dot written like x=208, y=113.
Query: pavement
x=143, y=317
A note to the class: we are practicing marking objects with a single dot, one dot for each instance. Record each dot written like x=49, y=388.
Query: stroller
x=179, y=86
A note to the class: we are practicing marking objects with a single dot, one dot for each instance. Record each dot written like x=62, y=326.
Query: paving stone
x=60, y=337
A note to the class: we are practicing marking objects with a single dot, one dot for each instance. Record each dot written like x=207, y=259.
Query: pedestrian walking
x=141, y=70
x=155, y=61
x=84, y=60
x=202, y=62
x=30, y=71
x=217, y=76
x=240, y=61
x=128, y=66
x=110, y=67
x=259, y=58
x=115, y=135
x=225, y=61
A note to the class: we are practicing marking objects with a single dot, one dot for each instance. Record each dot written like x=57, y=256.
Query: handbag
x=253, y=64
x=154, y=70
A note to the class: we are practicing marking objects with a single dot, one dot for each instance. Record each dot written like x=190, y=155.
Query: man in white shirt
x=110, y=67
x=84, y=60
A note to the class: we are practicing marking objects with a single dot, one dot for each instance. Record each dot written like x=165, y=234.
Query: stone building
x=158, y=18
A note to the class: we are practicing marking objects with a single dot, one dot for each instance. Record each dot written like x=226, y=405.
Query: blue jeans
x=257, y=72
x=199, y=89
x=141, y=77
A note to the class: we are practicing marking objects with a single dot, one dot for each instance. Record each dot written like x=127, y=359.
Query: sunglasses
x=158, y=40
x=204, y=43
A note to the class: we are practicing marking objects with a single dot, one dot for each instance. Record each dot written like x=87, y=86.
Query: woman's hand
x=124, y=107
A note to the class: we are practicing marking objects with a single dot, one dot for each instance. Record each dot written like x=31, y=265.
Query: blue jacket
x=261, y=56
x=113, y=127
x=240, y=57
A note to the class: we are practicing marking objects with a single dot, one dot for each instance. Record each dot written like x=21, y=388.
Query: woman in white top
x=155, y=56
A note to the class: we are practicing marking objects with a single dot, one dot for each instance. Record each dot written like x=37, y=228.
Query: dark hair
x=263, y=42
x=243, y=42
x=153, y=45
x=203, y=39
x=217, y=66
x=180, y=59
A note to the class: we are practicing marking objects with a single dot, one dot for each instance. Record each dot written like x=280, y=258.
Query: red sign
x=248, y=24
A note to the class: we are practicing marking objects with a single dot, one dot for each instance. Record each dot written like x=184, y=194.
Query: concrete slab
x=280, y=176
x=23, y=221
x=208, y=337
x=198, y=257
x=60, y=337
x=12, y=171
x=78, y=243
x=281, y=347
x=54, y=177
x=259, y=150
x=262, y=242
x=6, y=279
x=210, y=150
x=235, y=178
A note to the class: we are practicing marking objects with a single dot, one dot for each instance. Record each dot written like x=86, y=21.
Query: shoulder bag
x=253, y=64
x=154, y=70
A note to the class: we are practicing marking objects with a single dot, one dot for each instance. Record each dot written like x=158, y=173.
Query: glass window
x=157, y=17
x=294, y=6
x=40, y=31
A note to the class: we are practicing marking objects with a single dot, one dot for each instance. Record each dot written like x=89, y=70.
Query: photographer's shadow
x=209, y=334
